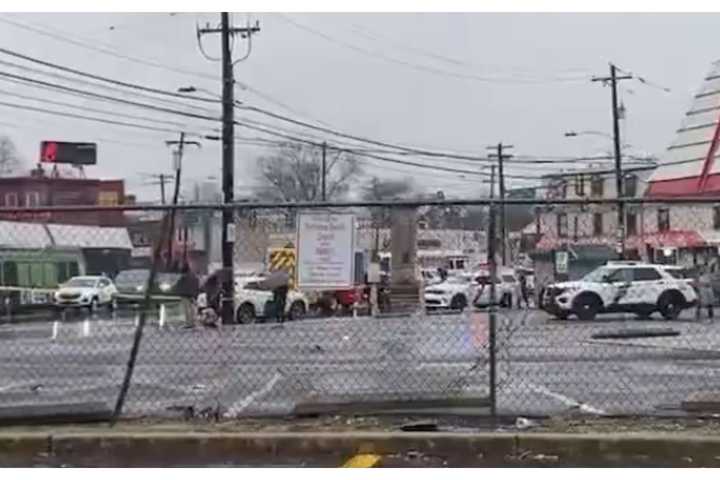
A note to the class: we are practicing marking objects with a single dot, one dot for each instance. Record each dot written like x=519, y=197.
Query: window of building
x=631, y=223
x=597, y=186
x=597, y=223
x=630, y=185
x=716, y=218
x=663, y=220
x=563, y=189
x=562, y=225
x=645, y=274
x=580, y=185
x=32, y=199
x=11, y=199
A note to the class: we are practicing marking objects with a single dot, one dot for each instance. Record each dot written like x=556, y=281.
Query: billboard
x=74, y=153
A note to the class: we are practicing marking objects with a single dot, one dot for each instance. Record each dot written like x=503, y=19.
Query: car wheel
x=297, y=311
x=587, y=307
x=245, y=314
x=459, y=302
x=670, y=305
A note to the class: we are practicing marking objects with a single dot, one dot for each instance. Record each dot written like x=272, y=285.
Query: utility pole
x=159, y=179
x=324, y=172
x=501, y=186
x=177, y=160
x=492, y=181
x=228, y=155
x=612, y=80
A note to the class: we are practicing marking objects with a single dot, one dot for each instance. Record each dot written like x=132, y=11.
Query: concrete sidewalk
x=88, y=447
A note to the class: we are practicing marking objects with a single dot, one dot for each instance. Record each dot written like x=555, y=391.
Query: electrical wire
x=109, y=98
x=414, y=66
x=106, y=79
x=90, y=109
x=85, y=117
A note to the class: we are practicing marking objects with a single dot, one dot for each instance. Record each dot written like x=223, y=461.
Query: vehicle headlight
x=140, y=288
x=164, y=287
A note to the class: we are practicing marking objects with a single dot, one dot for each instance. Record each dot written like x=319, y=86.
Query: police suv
x=626, y=287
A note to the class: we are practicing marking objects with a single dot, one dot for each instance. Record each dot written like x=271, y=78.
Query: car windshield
x=81, y=282
x=597, y=275
x=132, y=277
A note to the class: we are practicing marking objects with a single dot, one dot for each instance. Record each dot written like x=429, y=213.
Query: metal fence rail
x=95, y=315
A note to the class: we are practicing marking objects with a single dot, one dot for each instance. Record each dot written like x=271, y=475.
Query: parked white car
x=632, y=287
x=459, y=291
x=252, y=302
x=86, y=291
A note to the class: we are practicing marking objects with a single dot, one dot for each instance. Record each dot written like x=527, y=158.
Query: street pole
x=501, y=156
x=612, y=80
x=228, y=158
x=324, y=172
x=162, y=189
x=492, y=264
x=178, y=171
x=492, y=181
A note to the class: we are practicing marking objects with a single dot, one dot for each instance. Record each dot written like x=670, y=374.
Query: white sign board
x=561, y=262
x=325, y=253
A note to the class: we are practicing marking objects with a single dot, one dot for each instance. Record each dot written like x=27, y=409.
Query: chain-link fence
x=362, y=307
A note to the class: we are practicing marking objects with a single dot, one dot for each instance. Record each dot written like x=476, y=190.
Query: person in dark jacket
x=280, y=300
x=188, y=288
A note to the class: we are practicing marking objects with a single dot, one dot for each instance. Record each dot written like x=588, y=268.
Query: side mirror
x=606, y=279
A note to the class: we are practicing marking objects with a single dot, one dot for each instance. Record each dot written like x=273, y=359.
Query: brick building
x=39, y=189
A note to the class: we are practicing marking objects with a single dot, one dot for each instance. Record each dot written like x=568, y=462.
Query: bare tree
x=10, y=160
x=294, y=173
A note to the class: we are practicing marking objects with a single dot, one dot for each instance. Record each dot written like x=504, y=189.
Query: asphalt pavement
x=544, y=366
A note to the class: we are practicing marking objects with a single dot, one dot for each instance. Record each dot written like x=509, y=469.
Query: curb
x=121, y=449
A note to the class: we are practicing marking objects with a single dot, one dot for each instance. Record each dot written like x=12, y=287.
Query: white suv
x=631, y=287
x=87, y=291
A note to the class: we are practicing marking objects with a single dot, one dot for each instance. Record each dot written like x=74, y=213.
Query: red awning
x=672, y=238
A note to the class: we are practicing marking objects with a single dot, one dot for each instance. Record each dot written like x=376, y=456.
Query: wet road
x=544, y=366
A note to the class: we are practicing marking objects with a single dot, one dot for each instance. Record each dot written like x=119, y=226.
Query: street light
x=587, y=132
x=193, y=89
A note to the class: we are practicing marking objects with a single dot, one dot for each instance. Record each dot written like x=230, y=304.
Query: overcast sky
x=455, y=82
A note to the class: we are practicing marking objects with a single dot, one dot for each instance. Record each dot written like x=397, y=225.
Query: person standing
x=280, y=300
x=188, y=289
x=706, y=295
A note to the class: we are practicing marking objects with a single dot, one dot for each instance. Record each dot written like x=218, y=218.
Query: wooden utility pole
x=612, y=80
x=177, y=160
x=228, y=155
x=501, y=156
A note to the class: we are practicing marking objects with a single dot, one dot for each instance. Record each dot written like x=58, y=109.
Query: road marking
x=364, y=460
x=86, y=328
x=584, y=407
x=237, y=407
x=56, y=326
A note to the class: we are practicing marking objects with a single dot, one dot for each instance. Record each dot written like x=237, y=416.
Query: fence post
x=492, y=241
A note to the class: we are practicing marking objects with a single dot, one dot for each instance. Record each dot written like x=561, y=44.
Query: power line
x=90, y=109
x=411, y=65
x=86, y=117
x=109, y=88
x=45, y=30
x=106, y=79
x=109, y=98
